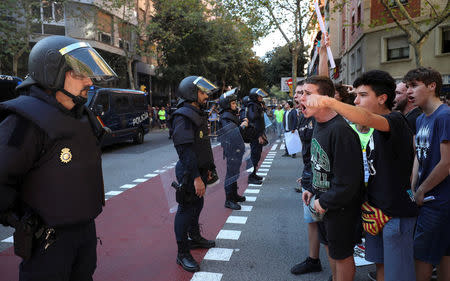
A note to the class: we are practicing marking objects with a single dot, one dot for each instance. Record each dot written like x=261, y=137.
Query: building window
x=359, y=14
x=446, y=40
x=124, y=44
x=49, y=18
x=353, y=22
x=397, y=48
x=358, y=59
x=352, y=64
x=104, y=38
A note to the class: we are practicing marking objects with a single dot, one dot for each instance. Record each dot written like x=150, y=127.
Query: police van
x=8, y=86
x=123, y=111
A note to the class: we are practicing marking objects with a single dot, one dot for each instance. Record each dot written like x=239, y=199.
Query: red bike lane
x=136, y=230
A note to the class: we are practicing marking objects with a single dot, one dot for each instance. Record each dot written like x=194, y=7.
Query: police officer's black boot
x=237, y=197
x=197, y=241
x=185, y=259
x=253, y=178
x=230, y=203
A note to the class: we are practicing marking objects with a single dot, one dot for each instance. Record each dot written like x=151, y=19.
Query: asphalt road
x=271, y=234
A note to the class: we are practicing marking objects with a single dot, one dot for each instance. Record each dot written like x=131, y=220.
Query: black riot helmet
x=255, y=92
x=227, y=97
x=245, y=100
x=189, y=86
x=53, y=56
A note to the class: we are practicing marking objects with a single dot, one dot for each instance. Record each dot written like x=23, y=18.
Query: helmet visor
x=205, y=86
x=231, y=95
x=261, y=93
x=86, y=62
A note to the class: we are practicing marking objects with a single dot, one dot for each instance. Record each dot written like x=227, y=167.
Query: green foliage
x=189, y=43
x=278, y=63
x=275, y=91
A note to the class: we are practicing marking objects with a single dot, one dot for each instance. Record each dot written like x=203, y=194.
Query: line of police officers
x=51, y=182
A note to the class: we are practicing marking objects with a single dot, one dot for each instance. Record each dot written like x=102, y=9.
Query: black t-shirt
x=336, y=157
x=390, y=156
x=411, y=117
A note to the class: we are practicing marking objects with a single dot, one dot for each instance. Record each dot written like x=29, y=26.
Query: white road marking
x=282, y=146
x=150, y=175
x=206, y=276
x=245, y=208
x=128, y=186
x=140, y=180
x=252, y=191
x=113, y=193
x=250, y=198
x=237, y=220
x=159, y=171
x=261, y=174
x=229, y=234
x=267, y=162
x=265, y=166
x=9, y=240
x=250, y=170
x=218, y=254
x=278, y=141
x=256, y=185
x=263, y=170
x=274, y=147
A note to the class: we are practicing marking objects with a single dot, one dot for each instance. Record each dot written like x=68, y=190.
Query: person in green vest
x=162, y=117
x=279, y=113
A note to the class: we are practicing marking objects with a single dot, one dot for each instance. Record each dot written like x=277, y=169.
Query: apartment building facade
x=363, y=38
x=111, y=31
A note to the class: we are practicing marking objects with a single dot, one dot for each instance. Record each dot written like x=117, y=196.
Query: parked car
x=8, y=86
x=123, y=111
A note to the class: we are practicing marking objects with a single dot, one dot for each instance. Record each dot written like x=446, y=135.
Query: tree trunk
x=418, y=53
x=130, y=73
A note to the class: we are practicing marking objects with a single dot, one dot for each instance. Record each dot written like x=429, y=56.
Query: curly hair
x=381, y=83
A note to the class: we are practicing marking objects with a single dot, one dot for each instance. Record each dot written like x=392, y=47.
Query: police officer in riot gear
x=255, y=115
x=195, y=166
x=243, y=110
x=233, y=147
x=51, y=182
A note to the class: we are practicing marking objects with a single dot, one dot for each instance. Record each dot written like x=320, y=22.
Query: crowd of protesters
x=376, y=166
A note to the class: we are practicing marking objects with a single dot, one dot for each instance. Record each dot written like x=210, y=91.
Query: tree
x=16, y=20
x=268, y=15
x=416, y=34
x=194, y=40
x=278, y=64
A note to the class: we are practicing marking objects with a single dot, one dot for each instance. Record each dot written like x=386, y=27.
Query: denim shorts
x=306, y=213
x=432, y=237
x=393, y=247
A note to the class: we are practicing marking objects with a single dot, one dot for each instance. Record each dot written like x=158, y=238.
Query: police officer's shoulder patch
x=66, y=155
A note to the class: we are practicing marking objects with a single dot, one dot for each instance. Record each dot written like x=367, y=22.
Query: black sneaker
x=187, y=262
x=372, y=276
x=200, y=242
x=239, y=198
x=306, y=266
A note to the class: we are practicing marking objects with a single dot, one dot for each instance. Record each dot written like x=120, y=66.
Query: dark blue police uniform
x=56, y=175
x=255, y=115
x=191, y=141
x=233, y=151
